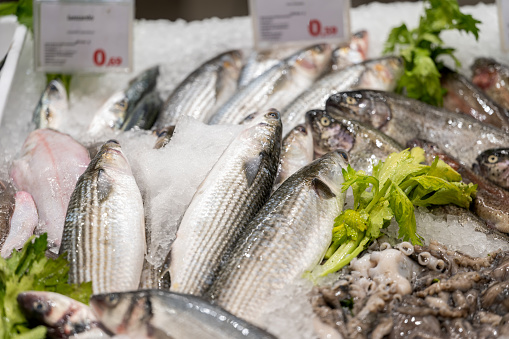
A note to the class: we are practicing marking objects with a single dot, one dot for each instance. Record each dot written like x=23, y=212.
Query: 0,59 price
x=316, y=29
x=100, y=59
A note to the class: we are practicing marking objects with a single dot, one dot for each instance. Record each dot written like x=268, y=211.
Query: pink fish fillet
x=49, y=168
x=23, y=222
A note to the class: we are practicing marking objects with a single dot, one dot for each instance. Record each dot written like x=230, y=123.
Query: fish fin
x=104, y=186
x=251, y=168
x=322, y=189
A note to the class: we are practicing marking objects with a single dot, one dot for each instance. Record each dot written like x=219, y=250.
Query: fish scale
x=287, y=237
x=234, y=190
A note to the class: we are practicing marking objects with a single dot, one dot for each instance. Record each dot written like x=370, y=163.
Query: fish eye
x=343, y=154
x=112, y=299
x=325, y=121
x=39, y=307
x=351, y=101
x=492, y=159
x=301, y=129
x=272, y=115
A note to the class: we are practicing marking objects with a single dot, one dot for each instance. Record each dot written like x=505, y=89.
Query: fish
x=7, y=202
x=372, y=74
x=162, y=314
x=104, y=231
x=23, y=223
x=234, y=190
x=63, y=317
x=278, y=86
x=287, y=237
x=164, y=136
x=464, y=97
x=296, y=152
x=48, y=169
x=364, y=145
x=355, y=52
x=403, y=119
x=53, y=106
x=204, y=90
x=491, y=203
x=493, y=78
x=145, y=113
x=493, y=164
x=114, y=112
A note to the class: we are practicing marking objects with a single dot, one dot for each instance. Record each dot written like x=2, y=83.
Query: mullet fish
x=373, y=74
x=493, y=164
x=52, y=106
x=145, y=113
x=161, y=314
x=234, y=190
x=278, y=86
x=288, y=236
x=204, y=90
x=104, y=232
x=404, y=119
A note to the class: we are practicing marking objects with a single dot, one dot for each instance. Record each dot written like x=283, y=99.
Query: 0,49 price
x=316, y=29
x=101, y=60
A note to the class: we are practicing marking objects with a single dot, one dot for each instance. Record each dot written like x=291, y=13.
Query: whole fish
x=464, y=97
x=204, y=90
x=52, y=107
x=145, y=113
x=7, y=202
x=161, y=314
x=404, y=119
x=494, y=165
x=116, y=109
x=364, y=145
x=164, y=136
x=104, y=232
x=287, y=237
x=493, y=78
x=354, y=53
x=234, y=190
x=296, y=152
x=278, y=86
x=49, y=168
x=63, y=317
x=491, y=203
x=372, y=74
x=23, y=223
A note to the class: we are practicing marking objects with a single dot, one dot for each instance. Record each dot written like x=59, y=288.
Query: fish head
x=494, y=165
x=266, y=126
x=231, y=62
x=328, y=181
x=301, y=135
x=484, y=73
x=353, y=53
x=269, y=117
x=110, y=156
x=382, y=74
x=313, y=61
x=369, y=107
x=43, y=307
x=328, y=133
x=122, y=313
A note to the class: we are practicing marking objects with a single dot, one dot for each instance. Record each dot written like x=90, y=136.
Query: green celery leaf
x=8, y=8
x=441, y=170
x=437, y=191
x=379, y=217
x=25, y=14
x=399, y=166
x=403, y=210
x=398, y=35
x=36, y=333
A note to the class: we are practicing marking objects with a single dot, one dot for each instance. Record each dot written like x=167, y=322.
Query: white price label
x=503, y=17
x=304, y=21
x=83, y=36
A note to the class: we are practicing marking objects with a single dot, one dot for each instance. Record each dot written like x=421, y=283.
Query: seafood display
x=211, y=200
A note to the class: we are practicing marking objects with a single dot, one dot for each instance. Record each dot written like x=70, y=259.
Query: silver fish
x=204, y=90
x=104, y=232
x=296, y=152
x=116, y=109
x=364, y=145
x=64, y=317
x=234, y=190
x=372, y=74
x=49, y=168
x=23, y=223
x=287, y=237
x=52, y=106
x=278, y=86
x=354, y=53
x=493, y=164
x=164, y=136
x=161, y=314
x=493, y=78
x=145, y=113
x=403, y=119
x=7, y=202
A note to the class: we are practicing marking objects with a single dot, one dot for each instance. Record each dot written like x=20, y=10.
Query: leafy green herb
x=30, y=270
x=396, y=186
x=421, y=48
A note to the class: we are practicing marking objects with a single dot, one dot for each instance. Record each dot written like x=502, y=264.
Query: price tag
x=286, y=22
x=503, y=20
x=83, y=36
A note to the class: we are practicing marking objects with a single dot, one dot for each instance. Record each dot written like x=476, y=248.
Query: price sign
x=83, y=36
x=285, y=22
x=503, y=19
